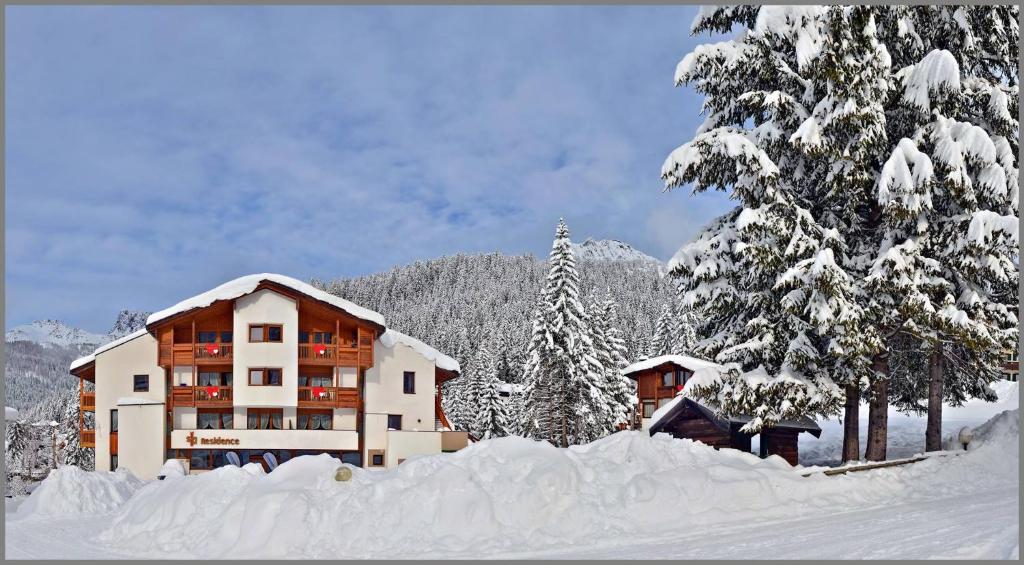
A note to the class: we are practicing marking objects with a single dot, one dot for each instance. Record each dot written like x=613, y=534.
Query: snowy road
x=949, y=528
x=958, y=527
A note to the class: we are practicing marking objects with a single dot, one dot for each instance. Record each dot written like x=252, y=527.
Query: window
x=668, y=379
x=409, y=382
x=265, y=333
x=265, y=377
x=376, y=457
x=210, y=419
x=199, y=459
x=264, y=418
x=663, y=401
x=315, y=380
x=394, y=421
x=352, y=458
x=314, y=420
x=141, y=383
x=225, y=337
x=113, y=421
x=206, y=337
x=207, y=378
x=648, y=408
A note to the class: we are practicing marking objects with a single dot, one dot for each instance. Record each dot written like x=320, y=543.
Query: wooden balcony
x=213, y=353
x=328, y=354
x=87, y=438
x=87, y=401
x=328, y=397
x=213, y=396
x=193, y=353
x=183, y=396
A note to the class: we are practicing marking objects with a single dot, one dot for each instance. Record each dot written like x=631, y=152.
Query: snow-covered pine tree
x=769, y=279
x=685, y=330
x=564, y=384
x=16, y=442
x=955, y=106
x=492, y=412
x=72, y=453
x=663, y=338
x=622, y=399
x=857, y=142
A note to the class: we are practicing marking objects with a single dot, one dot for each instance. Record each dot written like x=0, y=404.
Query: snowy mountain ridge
x=610, y=250
x=54, y=332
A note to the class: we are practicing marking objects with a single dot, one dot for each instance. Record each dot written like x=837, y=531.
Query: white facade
x=147, y=425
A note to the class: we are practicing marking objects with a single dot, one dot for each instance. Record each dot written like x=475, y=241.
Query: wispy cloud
x=154, y=152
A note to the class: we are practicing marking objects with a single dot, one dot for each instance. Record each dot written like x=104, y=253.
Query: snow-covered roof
x=511, y=387
x=136, y=401
x=81, y=361
x=691, y=363
x=663, y=415
x=391, y=337
x=247, y=284
x=10, y=413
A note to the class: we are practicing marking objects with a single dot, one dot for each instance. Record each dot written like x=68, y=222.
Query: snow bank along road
x=629, y=495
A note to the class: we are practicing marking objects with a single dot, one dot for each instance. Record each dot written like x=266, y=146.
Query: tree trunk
x=851, y=424
x=933, y=433
x=878, y=411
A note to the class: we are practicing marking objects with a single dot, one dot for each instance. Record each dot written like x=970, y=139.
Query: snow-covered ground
x=906, y=432
x=629, y=495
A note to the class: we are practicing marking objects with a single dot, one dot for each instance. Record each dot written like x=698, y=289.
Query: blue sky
x=154, y=152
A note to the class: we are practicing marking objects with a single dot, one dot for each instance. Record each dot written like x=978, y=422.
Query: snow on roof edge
x=390, y=337
x=247, y=284
x=691, y=363
x=81, y=361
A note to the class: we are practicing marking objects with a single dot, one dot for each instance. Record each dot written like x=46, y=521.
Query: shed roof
x=680, y=404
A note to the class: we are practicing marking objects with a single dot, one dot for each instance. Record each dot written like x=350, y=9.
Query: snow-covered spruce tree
x=955, y=109
x=685, y=330
x=492, y=412
x=851, y=125
x=564, y=397
x=663, y=339
x=16, y=442
x=770, y=279
x=610, y=351
x=72, y=453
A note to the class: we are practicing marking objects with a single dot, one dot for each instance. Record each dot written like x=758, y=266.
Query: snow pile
x=391, y=337
x=1005, y=425
x=513, y=494
x=70, y=491
x=247, y=284
x=10, y=413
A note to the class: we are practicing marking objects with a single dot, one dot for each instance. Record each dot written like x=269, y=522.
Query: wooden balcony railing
x=87, y=438
x=206, y=352
x=213, y=396
x=317, y=353
x=87, y=400
x=328, y=397
x=183, y=396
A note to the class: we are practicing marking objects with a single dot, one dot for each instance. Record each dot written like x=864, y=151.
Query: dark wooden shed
x=691, y=420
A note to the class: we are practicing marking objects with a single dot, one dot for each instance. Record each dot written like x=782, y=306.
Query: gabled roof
x=83, y=361
x=684, y=361
x=245, y=285
x=390, y=338
x=666, y=414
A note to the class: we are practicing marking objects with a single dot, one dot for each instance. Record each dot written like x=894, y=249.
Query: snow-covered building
x=661, y=410
x=267, y=367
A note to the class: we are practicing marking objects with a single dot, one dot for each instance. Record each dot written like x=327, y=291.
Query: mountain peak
x=128, y=321
x=53, y=332
x=610, y=250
